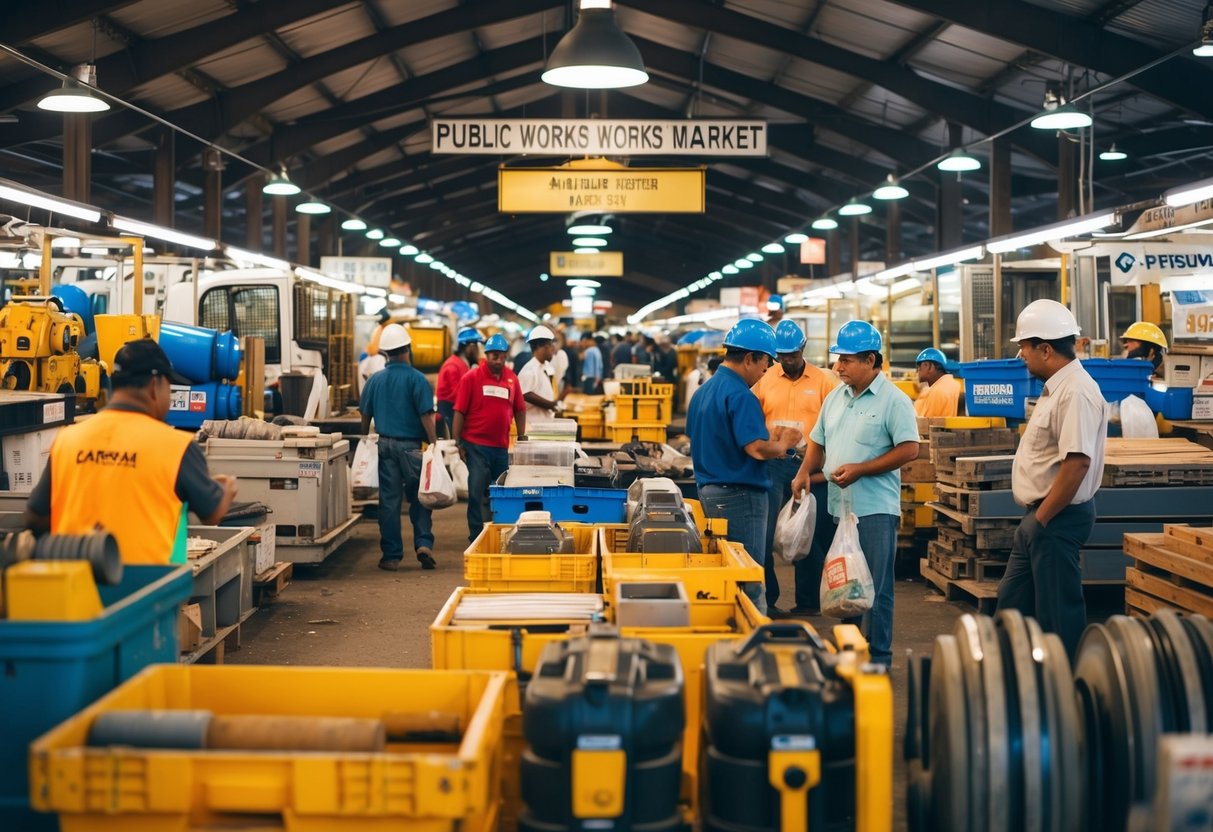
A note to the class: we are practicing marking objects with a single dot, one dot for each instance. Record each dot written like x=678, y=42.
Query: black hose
x=99, y=549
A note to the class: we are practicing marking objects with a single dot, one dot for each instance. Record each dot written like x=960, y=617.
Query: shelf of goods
x=222, y=562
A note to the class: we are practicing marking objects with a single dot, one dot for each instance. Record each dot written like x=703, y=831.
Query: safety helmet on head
x=1045, y=319
x=932, y=354
x=788, y=337
x=540, y=333
x=856, y=337
x=470, y=336
x=752, y=335
x=1146, y=332
x=394, y=337
x=496, y=343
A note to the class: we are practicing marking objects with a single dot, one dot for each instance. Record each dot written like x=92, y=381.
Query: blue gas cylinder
x=77, y=301
x=201, y=354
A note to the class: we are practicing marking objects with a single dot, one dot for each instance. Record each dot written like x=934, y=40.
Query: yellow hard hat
x=1145, y=331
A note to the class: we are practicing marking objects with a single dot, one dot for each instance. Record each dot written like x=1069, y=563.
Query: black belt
x=400, y=438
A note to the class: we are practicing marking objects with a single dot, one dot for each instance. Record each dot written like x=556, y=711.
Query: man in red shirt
x=488, y=397
x=464, y=358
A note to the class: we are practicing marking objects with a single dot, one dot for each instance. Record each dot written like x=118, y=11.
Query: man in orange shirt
x=791, y=393
x=942, y=396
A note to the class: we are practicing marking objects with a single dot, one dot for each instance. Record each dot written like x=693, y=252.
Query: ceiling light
x=312, y=206
x=34, y=199
x=823, y=224
x=773, y=248
x=754, y=257
x=588, y=230
x=64, y=242
x=1187, y=194
x=1063, y=118
x=354, y=224
x=891, y=189
x=74, y=96
x=589, y=241
x=797, y=238
x=1205, y=50
x=156, y=232
x=743, y=263
x=436, y=265
x=375, y=234
x=1113, y=155
x=581, y=281
x=855, y=208
x=894, y=272
x=409, y=250
x=280, y=185
x=959, y=161
x=1056, y=231
x=949, y=258
x=595, y=54
x=543, y=278
x=424, y=258
x=389, y=242
x=585, y=250
x=730, y=269
x=256, y=258
x=716, y=276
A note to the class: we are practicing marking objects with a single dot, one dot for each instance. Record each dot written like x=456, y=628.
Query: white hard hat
x=394, y=337
x=541, y=332
x=1045, y=319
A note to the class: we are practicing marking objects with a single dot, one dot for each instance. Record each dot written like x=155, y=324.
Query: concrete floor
x=347, y=612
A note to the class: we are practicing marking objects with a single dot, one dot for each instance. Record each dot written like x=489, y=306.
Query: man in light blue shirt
x=591, y=365
x=867, y=430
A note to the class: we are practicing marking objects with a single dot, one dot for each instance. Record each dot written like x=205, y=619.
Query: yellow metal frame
x=873, y=744
x=486, y=566
x=713, y=572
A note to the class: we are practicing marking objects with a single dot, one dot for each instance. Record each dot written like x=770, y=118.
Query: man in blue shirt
x=401, y=402
x=730, y=443
x=591, y=365
x=865, y=433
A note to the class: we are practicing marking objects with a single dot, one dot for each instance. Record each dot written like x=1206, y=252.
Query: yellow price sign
x=615, y=189
x=599, y=264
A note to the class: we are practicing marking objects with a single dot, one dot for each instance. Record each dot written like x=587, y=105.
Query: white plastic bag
x=794, y=528
x=847, y=590
x=457, y=467
x=437, y=489
x=365, y=472
x=1137, y=420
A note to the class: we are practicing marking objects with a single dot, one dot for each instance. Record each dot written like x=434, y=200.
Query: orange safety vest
x=117, y=471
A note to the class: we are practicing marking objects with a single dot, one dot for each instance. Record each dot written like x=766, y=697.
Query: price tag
x=179, y=398
x=1192, y=314
x=310, y=470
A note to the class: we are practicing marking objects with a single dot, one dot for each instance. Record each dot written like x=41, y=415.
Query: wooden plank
x=970, y=524
x=1200, y=536
x=1155, y=549
x=981, y=594
x=1178, y=597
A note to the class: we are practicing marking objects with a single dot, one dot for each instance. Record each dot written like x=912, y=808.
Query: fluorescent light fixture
x=389, y=242
x=949, y=258
x=1056, y=231
x=1205, y=50
x=958, y=161
x=436, y=265
x=891, y=189
x=313, y=206
x=463, y=281
x=34, y=199
x=855, y=208
x=585, y=250
x=1063, y=118
x=156, y=232
x=477, y=287
x=796, y=238
x=1176, y=197
x=743, y=263
x=895, y=271
x=408, y=249
x=773, y=248
x=581, y=281
x=280, y=185
x=330, y=282
x=1162, y=232
x=595, y=54
x=754, y=257
x=823, y=224
x=906, y=285
x=588, y=230
x=375, y=234
x=395, y=298
x=867, y=286
x=75, y=96
x=730, y=269
x=353, y=224
x=716, y=276
x=65, y=242
x=374, y=291
x=1113, y=155
x=584, y=242
x=423, y=258
x=256, y=258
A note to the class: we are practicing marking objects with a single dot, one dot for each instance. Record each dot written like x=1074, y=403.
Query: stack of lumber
x=1156, y=462
x=1170, y=570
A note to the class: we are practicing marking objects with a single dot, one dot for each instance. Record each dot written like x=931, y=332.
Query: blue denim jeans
x=444, y=424
x=807, y=569
x=878, y=539
x=485, y=465
x=399, y=477
x=746, y=511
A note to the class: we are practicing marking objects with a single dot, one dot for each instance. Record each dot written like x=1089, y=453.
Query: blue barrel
x=213, y=400
x=200, y=354
x=77, y=301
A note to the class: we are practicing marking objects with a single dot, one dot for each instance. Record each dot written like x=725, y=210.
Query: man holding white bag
x=401, y=402
x=867, y=430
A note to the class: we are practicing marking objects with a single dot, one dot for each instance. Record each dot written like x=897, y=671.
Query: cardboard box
x=1202, y=408
x=1204, y=385
x=189, y=628
x=263, y=543
x=1181, y=370
x=25, y=456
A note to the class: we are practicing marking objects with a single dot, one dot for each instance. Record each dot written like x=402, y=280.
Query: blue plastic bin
x=52, y=670
x=1171, y=402
x=1119, y=378
x=565, y=502
x=998, y=387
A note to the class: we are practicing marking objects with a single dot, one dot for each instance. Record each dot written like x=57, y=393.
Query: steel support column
x=279, y=212
x=1000, y=187
x=833, y=252
x=303, y=239
x=254, y=230
x=77, y=156
x=327, y=243
x=212, y=206
x=164, y=177
x=1067, y=177
x=892, y=233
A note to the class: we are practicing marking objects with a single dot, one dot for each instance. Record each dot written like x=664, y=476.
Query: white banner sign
x=1152, y=263
x=367, y=271
x=600, y=137
x=1192, y=313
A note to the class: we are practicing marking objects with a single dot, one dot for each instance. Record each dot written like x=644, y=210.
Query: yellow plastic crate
x=917, y=492
x=642, y=431
x=485, y=567
x=423, y=787
x=642, y=409
x=924, y=517
x=711, y=573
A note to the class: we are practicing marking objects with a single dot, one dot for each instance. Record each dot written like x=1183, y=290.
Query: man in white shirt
x=1057, y=471
x=535, y=378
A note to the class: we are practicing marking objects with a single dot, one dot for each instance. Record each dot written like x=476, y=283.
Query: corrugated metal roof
x=816, y=81
x=740, y=56
x=870, y=27
x=330, y=30
x=243, y=63
x=169, y=93
x=156, y=18
x=789, y=15
x=659, y=30
x=1166, y=24
x=396, y=12
x=438, y=54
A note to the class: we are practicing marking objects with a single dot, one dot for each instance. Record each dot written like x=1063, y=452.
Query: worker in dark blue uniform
x=730, y=443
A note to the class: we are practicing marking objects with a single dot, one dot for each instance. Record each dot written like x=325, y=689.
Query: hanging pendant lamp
x=595, y=54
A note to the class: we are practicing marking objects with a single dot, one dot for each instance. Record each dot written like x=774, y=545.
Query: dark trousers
x=444, y=425
x=746, y=511
x=399, y=478
x=807, y=569
x=1044, y=576
x=485, y=465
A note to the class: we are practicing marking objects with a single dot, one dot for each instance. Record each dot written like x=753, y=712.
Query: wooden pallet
x=969, y=500
x=214, y=649
x=1122, y=475
x=269, y=584
x=1174, y=568
x=995, y=439
x=983, y=542
x=981, y=594
x=1156, y=462
x=969, y=524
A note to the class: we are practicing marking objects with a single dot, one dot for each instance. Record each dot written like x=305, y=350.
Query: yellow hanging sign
x=599, y=185
x=599, y=264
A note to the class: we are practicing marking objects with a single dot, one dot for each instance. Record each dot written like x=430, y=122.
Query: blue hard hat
x=788, y=337
x=931, y=354
x=753, y=335
x=856, y=336
x=496, y=343
x=775, y=302
x=470, y=336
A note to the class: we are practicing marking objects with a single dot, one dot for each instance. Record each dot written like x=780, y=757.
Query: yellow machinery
x=55, y=578
x=431, y=344
x=115, y=330
x=38, y=341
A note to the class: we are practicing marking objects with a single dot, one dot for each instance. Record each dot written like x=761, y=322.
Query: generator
x=536, y=534
x=638, y=489
x=797, y=734
x=662, y=522
x=38, y=341
x=602, y=720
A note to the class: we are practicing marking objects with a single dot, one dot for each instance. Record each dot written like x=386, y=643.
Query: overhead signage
x=616, y=189
x=572, y=264
x=1152, y=263
x=1166, y=217
x=1192, y=314
x=813, y=252
x=599, y=137
x=367, y=271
